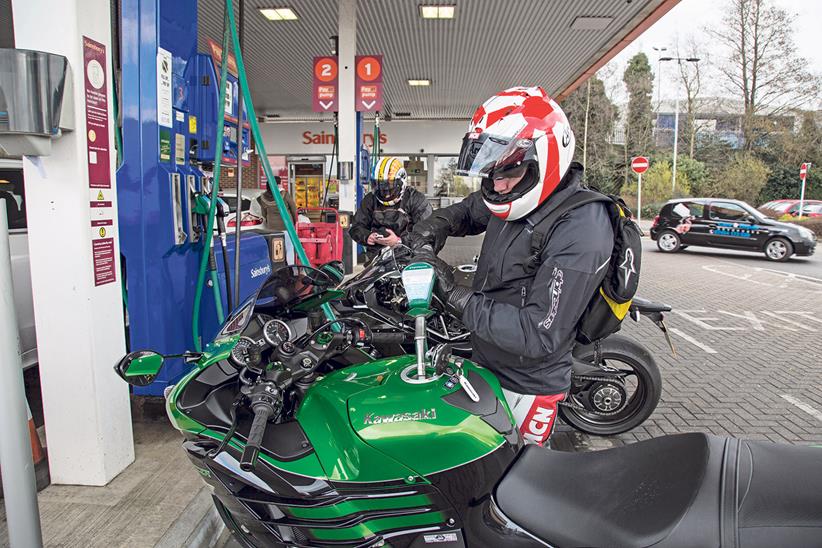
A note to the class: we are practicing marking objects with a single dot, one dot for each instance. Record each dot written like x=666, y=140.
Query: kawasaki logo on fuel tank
x=260, y=271
x=421, y=415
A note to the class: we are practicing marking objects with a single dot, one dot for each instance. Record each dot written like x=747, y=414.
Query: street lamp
x=676, y=114
x=658, y=75
x=658, y=51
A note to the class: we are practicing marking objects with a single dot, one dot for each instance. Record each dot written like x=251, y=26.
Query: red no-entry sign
x=639, y=164
x=803, y=171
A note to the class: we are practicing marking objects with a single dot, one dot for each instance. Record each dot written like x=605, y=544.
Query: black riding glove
x=457, y=299
x=443, y=270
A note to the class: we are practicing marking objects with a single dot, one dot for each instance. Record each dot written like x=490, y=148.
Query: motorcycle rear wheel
x=626, y=355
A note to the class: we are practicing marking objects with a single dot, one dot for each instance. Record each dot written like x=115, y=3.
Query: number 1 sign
x=368, y=83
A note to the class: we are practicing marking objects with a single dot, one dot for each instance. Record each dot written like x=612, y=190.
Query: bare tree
x=763, y=65
x=691, y=77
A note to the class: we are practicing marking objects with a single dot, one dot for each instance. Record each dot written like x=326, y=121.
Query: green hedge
x=812, y=223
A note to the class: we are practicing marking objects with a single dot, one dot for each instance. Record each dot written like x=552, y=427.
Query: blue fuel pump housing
x=170, y=107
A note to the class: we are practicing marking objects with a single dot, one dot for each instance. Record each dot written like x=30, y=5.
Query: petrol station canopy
x=487, y=46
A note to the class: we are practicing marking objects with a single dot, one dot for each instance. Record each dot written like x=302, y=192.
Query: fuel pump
x=171, y=107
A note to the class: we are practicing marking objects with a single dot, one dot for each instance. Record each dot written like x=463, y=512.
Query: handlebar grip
x=388, y=337
x=255, y=437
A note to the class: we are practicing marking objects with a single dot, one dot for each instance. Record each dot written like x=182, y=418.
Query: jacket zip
x=523, y=292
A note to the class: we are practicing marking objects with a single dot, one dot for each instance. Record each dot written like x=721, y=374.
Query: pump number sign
x=368, y=83
x=324, y=95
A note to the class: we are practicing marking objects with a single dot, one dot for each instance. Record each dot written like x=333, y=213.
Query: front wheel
x=620, y=408
x=778, y=249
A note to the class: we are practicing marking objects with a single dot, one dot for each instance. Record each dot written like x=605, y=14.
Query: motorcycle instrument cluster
x=240, y=352
x=276, y=332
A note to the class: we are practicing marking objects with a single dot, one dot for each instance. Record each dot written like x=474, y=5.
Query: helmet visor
x=490, y=156
x=387, y=190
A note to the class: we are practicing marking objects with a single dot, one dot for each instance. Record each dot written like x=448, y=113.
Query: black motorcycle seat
x=646, y=306
x=687, y=490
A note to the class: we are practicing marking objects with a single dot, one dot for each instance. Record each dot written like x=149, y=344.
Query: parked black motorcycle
x=616, y=383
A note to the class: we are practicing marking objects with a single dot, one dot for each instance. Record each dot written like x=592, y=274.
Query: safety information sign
x=102, y=251
x=324, y=96
x=164, y=87
x=97, y=144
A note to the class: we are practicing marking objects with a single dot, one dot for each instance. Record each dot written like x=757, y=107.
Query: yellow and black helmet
x=388, y=180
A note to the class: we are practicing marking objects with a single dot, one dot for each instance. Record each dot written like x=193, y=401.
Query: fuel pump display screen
x=418, y=281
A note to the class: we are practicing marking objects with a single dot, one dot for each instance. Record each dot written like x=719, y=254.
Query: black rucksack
x=610, y=304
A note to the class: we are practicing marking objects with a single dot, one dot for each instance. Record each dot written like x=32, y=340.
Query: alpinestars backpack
x=610, y=304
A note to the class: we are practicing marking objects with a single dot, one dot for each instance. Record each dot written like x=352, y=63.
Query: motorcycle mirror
x=418, y=281
x=139, y=368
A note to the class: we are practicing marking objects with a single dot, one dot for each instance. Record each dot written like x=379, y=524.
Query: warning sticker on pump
x=192, y=124
x=180, y=148
x=165, y=145
x=278, y=250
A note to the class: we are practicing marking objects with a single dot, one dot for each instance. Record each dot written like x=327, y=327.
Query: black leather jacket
x=523, y=313
x=401, y=218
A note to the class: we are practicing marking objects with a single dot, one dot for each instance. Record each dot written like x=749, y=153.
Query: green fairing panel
x=214, y=352
x=367, y=424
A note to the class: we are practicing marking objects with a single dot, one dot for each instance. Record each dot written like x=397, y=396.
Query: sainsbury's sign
x=327, y=138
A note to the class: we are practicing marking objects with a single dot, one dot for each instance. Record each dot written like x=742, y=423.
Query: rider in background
x=525, y=303
x=390, y=210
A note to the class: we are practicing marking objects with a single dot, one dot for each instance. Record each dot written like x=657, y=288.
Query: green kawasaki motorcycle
x=308, y=442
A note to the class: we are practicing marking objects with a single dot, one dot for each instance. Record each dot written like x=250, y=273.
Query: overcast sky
x=690, y=17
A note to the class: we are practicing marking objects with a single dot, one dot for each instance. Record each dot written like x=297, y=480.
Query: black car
x=729, y=224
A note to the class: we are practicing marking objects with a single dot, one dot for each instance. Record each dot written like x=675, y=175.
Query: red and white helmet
x=518, y=132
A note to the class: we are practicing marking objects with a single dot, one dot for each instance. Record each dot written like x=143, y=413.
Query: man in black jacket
x=525, y=302
x=390, y=210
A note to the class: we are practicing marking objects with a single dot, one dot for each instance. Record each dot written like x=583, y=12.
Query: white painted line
x=786, y=320
x=800, y=277
x=809, y=409
x=692, y=340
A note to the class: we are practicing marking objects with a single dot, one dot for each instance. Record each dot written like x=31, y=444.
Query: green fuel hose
x=230, y=31
x=258, y=140
x=212, y=210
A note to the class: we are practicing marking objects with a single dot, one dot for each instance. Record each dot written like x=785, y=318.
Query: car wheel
x=778, y=249
x=669, y=242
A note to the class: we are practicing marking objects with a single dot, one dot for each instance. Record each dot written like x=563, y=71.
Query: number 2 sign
x=324, y=95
